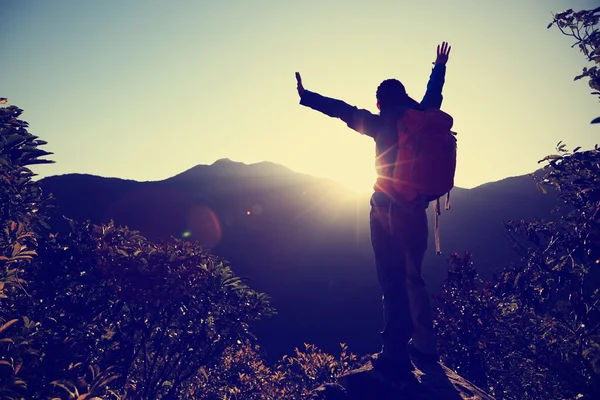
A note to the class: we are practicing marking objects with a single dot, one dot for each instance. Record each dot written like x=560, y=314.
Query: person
x=399, y=230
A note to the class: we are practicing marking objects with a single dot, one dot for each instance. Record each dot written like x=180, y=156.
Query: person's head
x=390, y=93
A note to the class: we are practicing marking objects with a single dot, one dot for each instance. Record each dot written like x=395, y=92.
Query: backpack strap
x=436, y=226
x=437, y=211
x=400, y=125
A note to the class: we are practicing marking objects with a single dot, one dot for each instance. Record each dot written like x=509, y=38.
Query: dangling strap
x=390, y=219
x=436, y=228
x=447, y=201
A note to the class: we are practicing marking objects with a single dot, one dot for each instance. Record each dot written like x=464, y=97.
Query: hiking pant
x=399, y=238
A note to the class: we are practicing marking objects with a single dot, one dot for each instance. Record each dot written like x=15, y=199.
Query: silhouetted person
x=399, y=228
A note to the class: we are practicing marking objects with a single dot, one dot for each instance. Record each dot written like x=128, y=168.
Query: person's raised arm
x=433, y=96
x=360, y=120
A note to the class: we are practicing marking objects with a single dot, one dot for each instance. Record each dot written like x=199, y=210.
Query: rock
x=435, y=382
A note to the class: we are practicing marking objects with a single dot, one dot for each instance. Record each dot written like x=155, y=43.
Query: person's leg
x=391, y=262
x=414, y=230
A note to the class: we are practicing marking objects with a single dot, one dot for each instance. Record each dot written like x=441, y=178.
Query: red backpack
x=426, y=160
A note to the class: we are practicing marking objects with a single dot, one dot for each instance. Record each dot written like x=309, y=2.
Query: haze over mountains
x=304, y=241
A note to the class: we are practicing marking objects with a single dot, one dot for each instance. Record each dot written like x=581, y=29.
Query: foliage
x=154, y=312
x=243, y=374
x=535, y=331
x=561, y=279
x=22, y=212
x=583, y=27
x=86, y=307
x=462, y=319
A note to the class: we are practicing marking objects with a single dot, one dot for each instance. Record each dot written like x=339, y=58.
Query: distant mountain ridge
x=303, y=240
x=226, y=167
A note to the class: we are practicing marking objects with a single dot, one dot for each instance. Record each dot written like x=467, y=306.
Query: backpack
x=426, y=159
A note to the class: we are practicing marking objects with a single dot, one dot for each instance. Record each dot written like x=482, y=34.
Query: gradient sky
x=147, y=89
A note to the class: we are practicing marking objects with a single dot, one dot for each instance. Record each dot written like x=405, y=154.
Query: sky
x=146, y=89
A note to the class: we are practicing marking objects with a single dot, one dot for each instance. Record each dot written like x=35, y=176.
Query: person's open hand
x=299, y=82
x=443, y=51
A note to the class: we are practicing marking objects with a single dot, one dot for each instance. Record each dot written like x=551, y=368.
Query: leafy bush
x=583, y=27
x=101, y=305
x=535, y=332
x=243, y=374
x=22, y=213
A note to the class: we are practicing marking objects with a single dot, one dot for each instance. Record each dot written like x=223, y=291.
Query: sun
x=354, y=171
x=337, y=153
x=360, y=181
x=349, y=160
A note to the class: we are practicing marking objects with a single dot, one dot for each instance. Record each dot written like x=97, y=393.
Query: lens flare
x=256, y=209
x=204, y=226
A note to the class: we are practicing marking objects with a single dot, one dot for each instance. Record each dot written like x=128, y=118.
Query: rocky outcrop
x=435, y=382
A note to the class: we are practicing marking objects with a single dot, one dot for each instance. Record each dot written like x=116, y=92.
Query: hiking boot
x=398, y=374
x=382, y=379
x=420, y=356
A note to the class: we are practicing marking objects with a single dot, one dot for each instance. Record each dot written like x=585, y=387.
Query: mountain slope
x=304, y=241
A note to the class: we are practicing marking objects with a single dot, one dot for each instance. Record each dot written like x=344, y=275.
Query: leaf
x=26, y=258
x=205, y=375
x=20, y=383
x=8, y=325
x=13, y=141
x=551, y=157
x=64, y=386
x=18, y=365
x=233, y=281
x=93, y=370
x=38, y=161
x=16, y=249
x=107, y=381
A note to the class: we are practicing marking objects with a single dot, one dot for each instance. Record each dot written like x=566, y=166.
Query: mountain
x=304, y=241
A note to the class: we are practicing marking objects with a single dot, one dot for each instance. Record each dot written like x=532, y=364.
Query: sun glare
x=354, y=168
x=359, y=181
x=355, y=173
